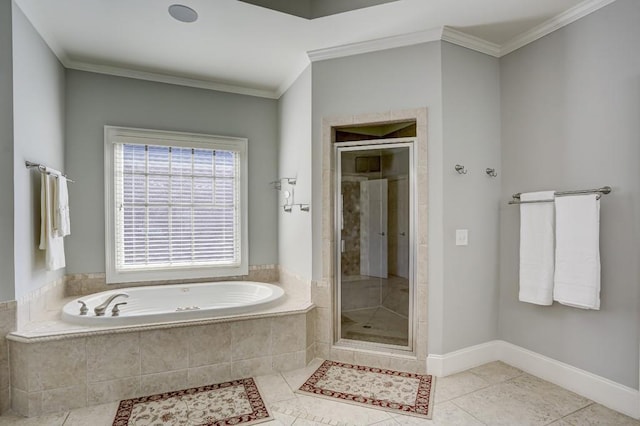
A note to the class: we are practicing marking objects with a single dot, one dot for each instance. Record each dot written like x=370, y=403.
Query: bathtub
x=170, y=303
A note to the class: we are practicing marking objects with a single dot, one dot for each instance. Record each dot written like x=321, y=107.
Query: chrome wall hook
x=460, y=169
x=491, y=172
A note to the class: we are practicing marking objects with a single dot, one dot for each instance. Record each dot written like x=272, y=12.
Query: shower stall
x=374, y=228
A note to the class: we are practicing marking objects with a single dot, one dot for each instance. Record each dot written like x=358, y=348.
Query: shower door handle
x=381, y=234
x=402, y=234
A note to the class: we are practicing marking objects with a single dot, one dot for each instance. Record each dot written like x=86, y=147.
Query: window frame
x=118, y=135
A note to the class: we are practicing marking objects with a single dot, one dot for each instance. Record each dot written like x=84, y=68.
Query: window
x=176, y=205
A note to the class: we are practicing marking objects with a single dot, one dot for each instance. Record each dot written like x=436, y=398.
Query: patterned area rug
x=230, y=403
x=388, y=390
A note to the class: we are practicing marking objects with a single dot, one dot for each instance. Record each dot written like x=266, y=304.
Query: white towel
x=49, y=240
x=62, y=223
x=577, y=277
x=536, y=248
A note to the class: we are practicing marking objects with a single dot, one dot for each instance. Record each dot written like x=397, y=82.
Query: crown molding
x=293, y=76
x=169, y=79
x=470, y=42
x=448, y=34
x=375, y=45
x=67, y=62
x=565, y=18
x=463, y=39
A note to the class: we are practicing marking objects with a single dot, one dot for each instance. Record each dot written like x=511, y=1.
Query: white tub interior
x=169, y=303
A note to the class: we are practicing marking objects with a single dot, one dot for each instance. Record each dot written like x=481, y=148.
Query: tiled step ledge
x=56, y=329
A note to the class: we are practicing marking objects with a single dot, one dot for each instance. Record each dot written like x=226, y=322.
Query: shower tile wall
x=357, y=292
x=351, y=228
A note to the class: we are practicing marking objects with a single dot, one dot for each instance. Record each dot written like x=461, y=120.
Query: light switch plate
x=462, y=237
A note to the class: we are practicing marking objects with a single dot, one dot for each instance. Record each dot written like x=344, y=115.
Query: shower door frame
x=365, y=145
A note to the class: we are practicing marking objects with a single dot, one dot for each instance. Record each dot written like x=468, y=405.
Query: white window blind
x=176, y=207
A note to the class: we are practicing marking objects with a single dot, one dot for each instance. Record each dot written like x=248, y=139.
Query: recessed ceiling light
x=183, y=13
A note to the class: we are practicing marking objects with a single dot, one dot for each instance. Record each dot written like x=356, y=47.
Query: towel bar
x=43, y=169
x=599, y=191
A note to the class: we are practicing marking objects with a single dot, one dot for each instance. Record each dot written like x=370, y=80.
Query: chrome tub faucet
x=100, y=309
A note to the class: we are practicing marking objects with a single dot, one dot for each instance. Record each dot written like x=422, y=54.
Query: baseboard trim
x=463, y=359
x=614, y=395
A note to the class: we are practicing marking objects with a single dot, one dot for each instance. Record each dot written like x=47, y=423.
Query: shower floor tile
x=378, y=325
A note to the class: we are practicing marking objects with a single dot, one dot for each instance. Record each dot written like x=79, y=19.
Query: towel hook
x=460, y=169
x=491, y=172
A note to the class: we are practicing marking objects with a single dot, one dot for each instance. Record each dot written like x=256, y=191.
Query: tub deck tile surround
x=124, y=362
x=113, y=390
x=88, y=283
x=7, y=325
x=111, y=357
x=56, y=369
x=56, y=329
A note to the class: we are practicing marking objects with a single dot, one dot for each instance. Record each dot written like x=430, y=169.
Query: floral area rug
x=230, y=403
x=388, y=390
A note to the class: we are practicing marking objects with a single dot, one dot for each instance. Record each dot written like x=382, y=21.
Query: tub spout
x=100, y=309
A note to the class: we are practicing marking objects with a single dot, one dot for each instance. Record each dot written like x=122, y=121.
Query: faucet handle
x=83, y=308
x=116, y=311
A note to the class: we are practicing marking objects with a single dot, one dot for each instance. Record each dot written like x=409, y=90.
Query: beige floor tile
x=296, y=378
x=444, y=414
x=457, y=385
x=11, y=419
x=393, y=422
x=98, y=415
x=496, y=372
x=329, y=411
x=507, y=404
x=274, y=388
x=544, y=393
x=279, y=419
x=467, y=398
x=305, y=422
x=596, y=414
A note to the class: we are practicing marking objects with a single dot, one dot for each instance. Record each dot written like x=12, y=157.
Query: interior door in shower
x=374, y=228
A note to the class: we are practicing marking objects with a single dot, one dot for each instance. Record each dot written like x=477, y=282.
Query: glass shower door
x=374, y=259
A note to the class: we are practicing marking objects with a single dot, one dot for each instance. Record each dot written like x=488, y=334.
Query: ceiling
x=244, y=48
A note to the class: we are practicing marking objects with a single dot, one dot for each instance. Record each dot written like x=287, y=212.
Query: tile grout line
x=573, y=412
x=86, y=375
x=472, y=416
x=522, y=373
x=488, y=385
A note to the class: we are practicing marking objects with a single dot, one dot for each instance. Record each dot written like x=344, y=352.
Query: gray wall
x=6, y=153
x=471, y=124
x=571, y=120
x=38, y=89
x=95, y=100
x=294, y=151
x=402, y=78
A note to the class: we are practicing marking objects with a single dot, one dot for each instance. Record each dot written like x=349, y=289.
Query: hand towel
x=49, y=241
x=62, y=222
x=536, y=248
x=577, y=276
